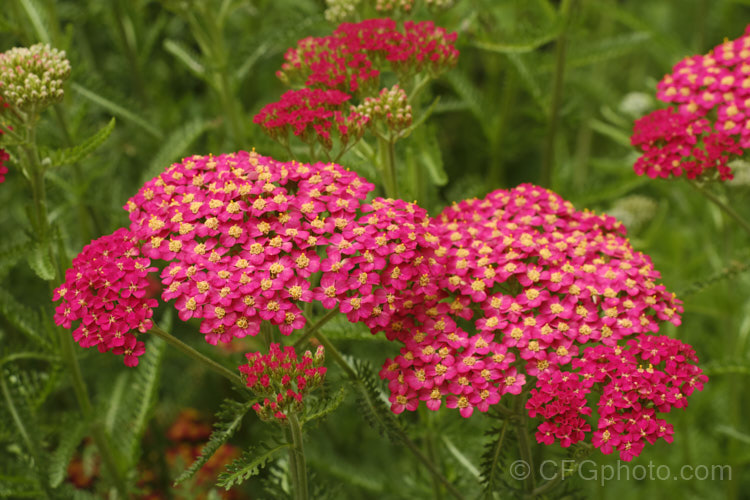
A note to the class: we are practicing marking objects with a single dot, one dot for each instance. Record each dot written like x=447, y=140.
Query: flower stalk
x=197, y=356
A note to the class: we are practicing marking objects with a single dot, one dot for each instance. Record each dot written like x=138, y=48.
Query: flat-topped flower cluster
x=708, y=125
x=347, y=65
x=514, y=292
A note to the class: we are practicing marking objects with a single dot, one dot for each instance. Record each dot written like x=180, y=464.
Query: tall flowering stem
x=31, y=79
x=283, y=380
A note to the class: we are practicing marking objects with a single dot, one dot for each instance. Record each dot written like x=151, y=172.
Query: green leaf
x=142, y=397
x=598, y=51
x=229, y=421
x=323, y=406
x=23, y=319
x=494, y=452
x=530, y=80
x=34, y=13
x=249, y=464
x=186, y=57
x=371, y=403
x=75, y=430
x=11, y=254
x=41, y=263
x=517, y=48
x=117, y=110
x=176, y=145
x=69, y=156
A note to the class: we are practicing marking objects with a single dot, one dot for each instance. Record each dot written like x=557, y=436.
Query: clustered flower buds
x=282, y=379
x=313, y=115
x=710, y=124
x=390, y=107
x=106, y=291
x=32, y=78
x=349, y=62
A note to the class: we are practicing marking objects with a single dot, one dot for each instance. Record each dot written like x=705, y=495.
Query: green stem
x=333, y=353
x=311, y=330
x=548, y=160
x=25, y=436
x=293, y=472
x=298, y=450
x=387, y=152
x=723, y=206
x=42, y=228
x=524, y=445
x=197, y=356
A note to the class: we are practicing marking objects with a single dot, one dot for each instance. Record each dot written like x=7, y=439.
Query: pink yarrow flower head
x=379, y=264
x=4, y=156
x=313, y=115
x=282, y=379
x=708, y=125
x=352, y=58
x=242, y=234
x=538, y=281
x=104, y=294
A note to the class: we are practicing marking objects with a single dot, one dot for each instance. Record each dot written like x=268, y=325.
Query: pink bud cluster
x=710, y=123
x=313, y=115
x=350, y=58
x=105, y=290
x=634, y=383
x=538, y=282
x=282, y=379
x=242, y=235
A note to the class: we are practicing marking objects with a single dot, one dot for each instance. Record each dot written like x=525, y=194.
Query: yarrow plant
x=516, y=292
x=708, y=125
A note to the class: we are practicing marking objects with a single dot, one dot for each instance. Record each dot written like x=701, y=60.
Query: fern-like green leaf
x=492, y=456
x=249, y=464
x=142, y=396
x=229, y=421
x=11, y=254
x=323, y=406
x=371, y=404
x=40, y=262
x=176, y=145
x=69, y=156
x=71, y=438
x=23, y=319
x=727, y=273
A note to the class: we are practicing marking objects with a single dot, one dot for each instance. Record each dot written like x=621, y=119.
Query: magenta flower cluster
x=514, y=292
x=312, y=115
x=282, y=379
x=353, y=57
x=346, y=63
x=710, y=122
x=242, y=234
x=106, y=290
x=541, y=283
